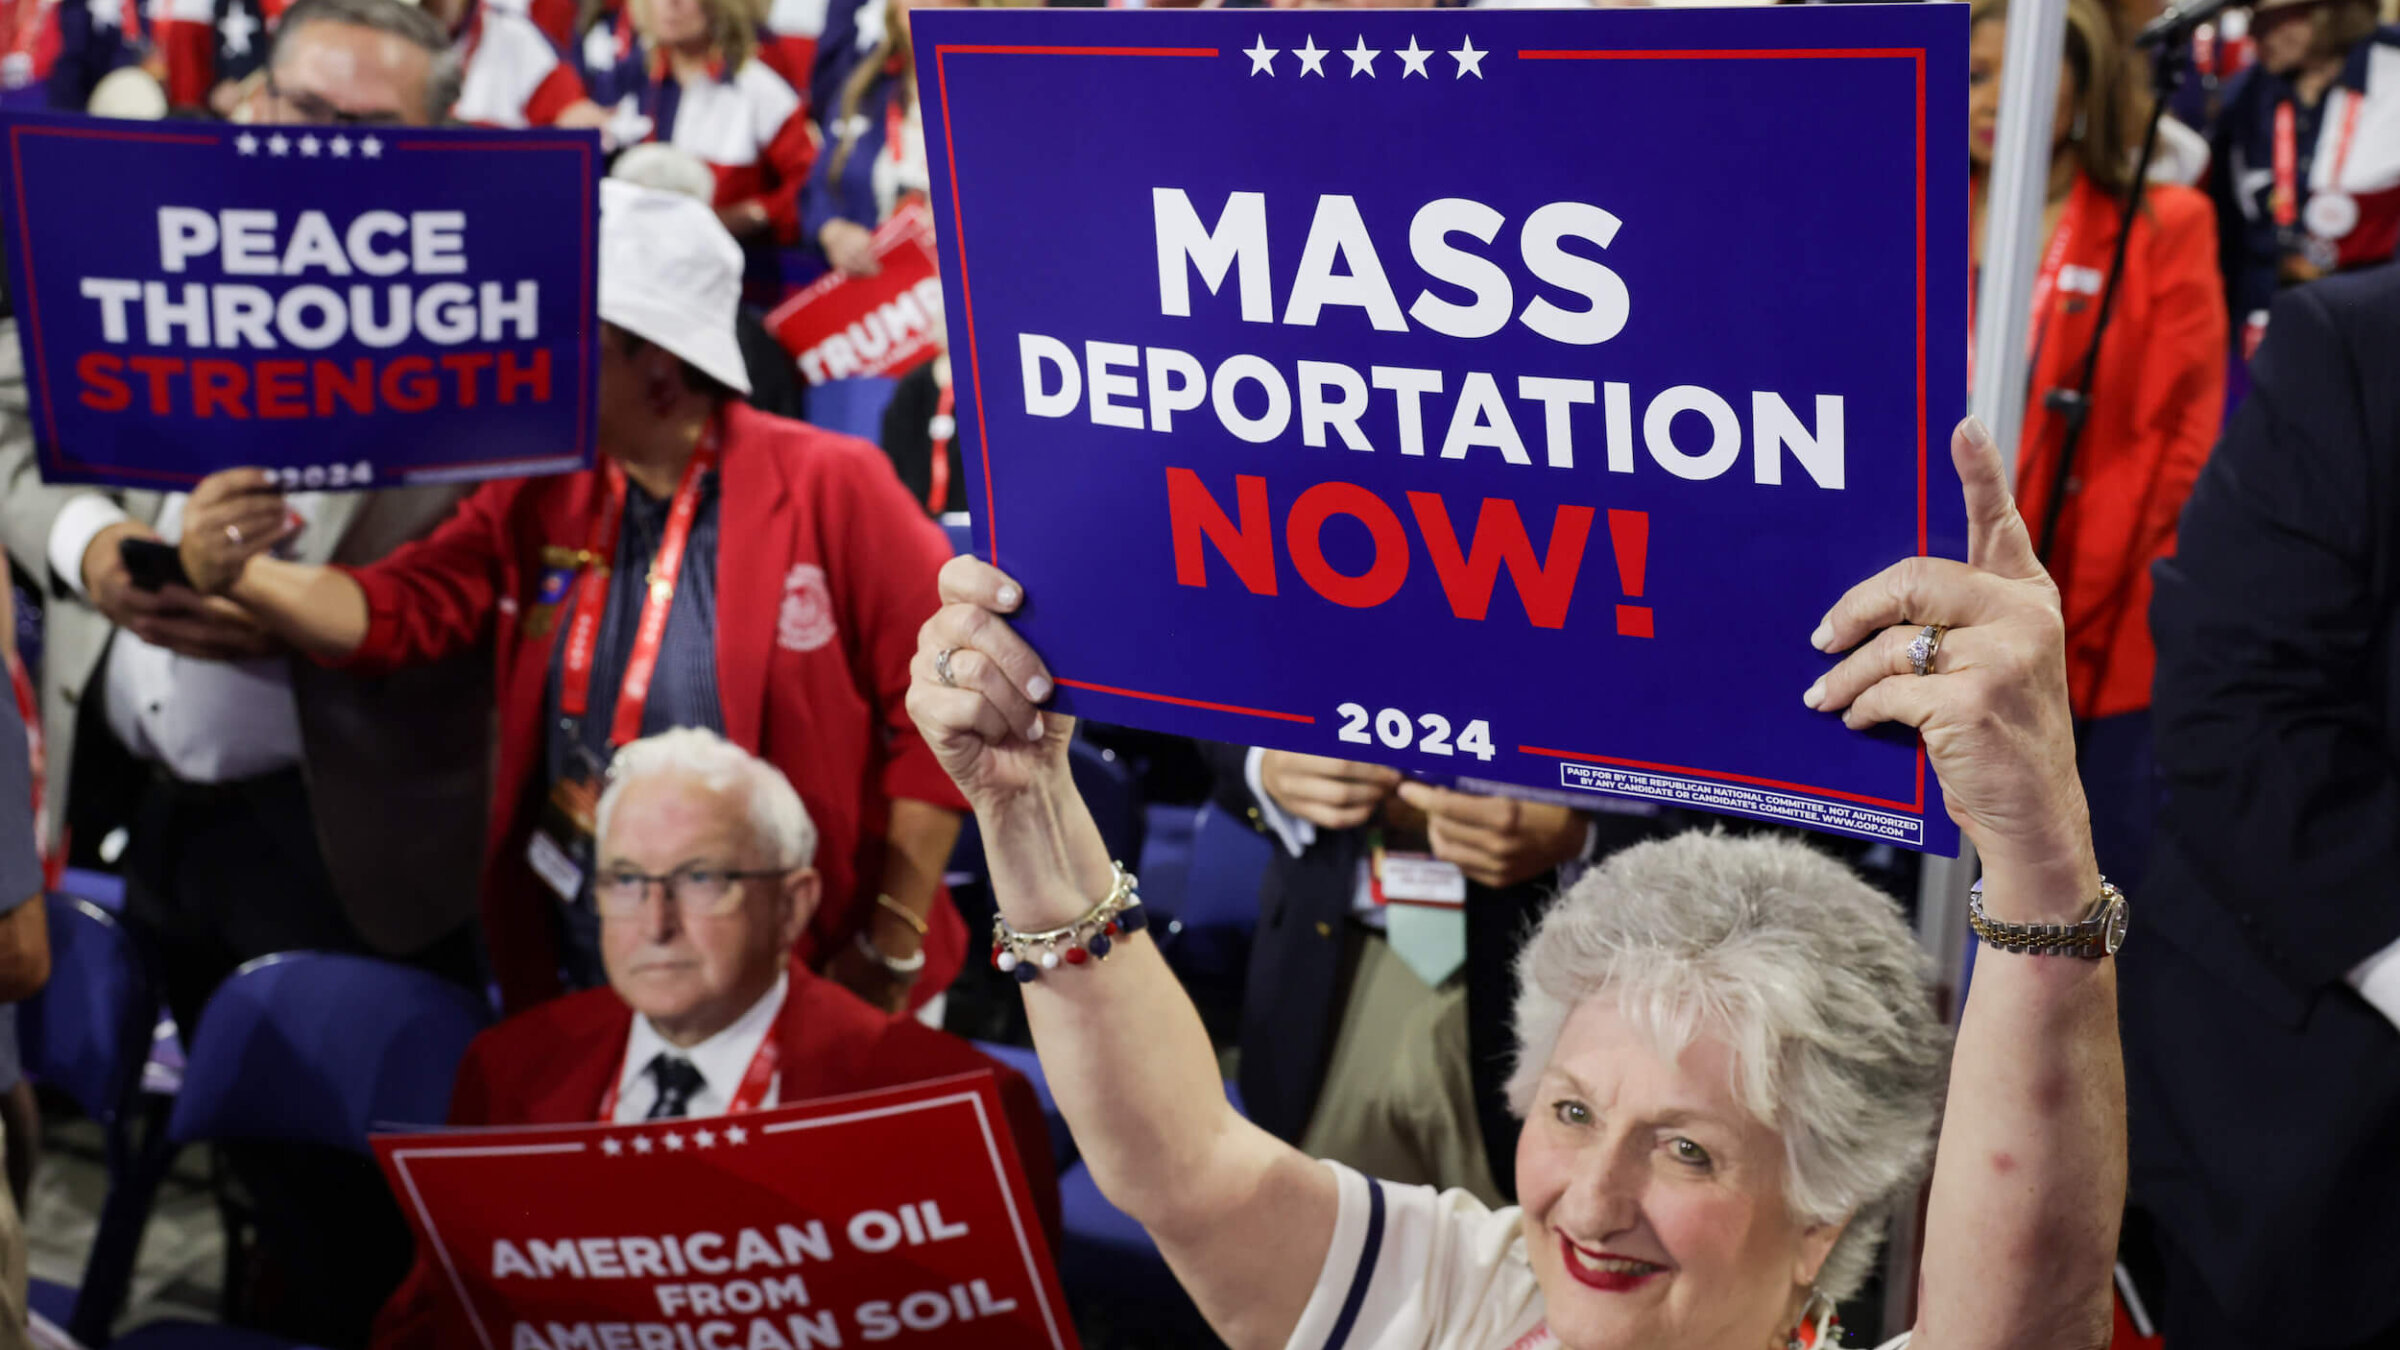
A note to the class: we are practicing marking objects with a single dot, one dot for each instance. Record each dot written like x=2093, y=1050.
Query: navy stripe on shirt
x=1365, y=1275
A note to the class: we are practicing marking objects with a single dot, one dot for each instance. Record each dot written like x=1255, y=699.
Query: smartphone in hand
x=153, y=565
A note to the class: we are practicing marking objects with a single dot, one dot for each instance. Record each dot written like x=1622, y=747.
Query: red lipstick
x=1581, y=1265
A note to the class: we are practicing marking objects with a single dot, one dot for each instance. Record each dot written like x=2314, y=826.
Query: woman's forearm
x=1125, y=1052
x=1243, y=1218
x=2029, y=1184
x=322, y=611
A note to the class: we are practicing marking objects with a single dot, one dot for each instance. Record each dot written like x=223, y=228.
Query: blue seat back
x=1026, y=1062
x=1220, y=899
x=318, y=1048
x=87, y=1032
x=1229, y=864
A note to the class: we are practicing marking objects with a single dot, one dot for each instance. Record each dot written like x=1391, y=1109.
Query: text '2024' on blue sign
x=351, y=307
x=1500, y=395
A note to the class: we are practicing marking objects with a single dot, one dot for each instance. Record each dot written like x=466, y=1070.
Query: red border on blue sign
x=33, y=306
x=991, y=525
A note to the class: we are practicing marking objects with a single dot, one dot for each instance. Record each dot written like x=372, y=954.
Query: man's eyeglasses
x=318, y=111
x=701, y=892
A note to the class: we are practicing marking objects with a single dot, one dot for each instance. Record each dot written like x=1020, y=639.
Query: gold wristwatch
x=2100, y=933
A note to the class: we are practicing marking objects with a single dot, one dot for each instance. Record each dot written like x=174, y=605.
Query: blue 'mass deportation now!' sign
x=1500, y=395
x=353, y=307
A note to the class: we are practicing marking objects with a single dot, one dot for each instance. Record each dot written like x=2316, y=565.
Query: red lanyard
x=29, y=707
x=751, y=1095
x=945, y=426
x=2045, y=282
x=2286, y=198
x=591, y=595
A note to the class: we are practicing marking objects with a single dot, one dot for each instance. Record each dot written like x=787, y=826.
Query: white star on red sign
x=704, y=1138
x=641, y=1143
x=674, y=1143
x=611, y=1147
x=735, y=1134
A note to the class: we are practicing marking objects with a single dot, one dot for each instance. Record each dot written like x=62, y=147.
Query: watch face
x=2112, y=925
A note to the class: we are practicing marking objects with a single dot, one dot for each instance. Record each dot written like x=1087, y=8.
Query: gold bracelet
x=892, y=906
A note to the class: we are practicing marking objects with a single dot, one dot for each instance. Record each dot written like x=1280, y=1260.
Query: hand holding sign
x=850, y=247
x=358, y=308
x=233, y=516
x=1333, y=794
x=1496, y=841
x=976, y=688
x=1993, y=709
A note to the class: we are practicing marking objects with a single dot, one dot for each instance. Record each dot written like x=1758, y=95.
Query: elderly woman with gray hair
x=1730, y=1065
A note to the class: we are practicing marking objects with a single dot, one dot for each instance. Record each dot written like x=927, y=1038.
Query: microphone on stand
x=2180, y=20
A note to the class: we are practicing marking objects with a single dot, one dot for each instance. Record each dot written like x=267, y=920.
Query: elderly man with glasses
x=704, y=884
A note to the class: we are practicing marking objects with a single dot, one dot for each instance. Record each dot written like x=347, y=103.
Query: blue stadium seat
x=1167, y=858
x=1024, y=1061
x=1219, y=909
x=853, y=406
x=54, y=1302
x=88, y=1032
x=304, y=1047
x=105, y=889
x=311, y=1047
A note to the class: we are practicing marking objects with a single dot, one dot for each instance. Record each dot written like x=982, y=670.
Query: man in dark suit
x=2260, y=1009
x=1346, y=1051
x=704, y=884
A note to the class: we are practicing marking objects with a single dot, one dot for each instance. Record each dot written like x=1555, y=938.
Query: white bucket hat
x=670, y=273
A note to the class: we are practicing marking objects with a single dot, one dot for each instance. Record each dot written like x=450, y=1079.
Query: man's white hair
x=779, y=823
x=1809, y=975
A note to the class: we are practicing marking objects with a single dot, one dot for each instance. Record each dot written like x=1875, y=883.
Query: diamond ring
x=1926, y=646
x=941, y=666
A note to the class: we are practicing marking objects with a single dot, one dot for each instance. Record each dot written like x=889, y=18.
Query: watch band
x=2099, y=933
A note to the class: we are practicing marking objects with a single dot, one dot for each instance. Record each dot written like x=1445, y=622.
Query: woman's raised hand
x=1993, y=711
x=977, y=689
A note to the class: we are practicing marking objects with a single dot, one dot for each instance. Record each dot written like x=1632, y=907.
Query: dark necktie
x=677, y=1081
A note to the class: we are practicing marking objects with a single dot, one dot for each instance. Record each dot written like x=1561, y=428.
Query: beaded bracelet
x=1027, y=955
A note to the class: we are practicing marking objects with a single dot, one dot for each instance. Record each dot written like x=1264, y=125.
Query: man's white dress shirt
x=722, y=1059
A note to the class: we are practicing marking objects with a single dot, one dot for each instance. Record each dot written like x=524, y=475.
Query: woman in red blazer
x=2156, y=399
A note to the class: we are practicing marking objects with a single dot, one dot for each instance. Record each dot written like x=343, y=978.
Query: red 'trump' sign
x=886, y=324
